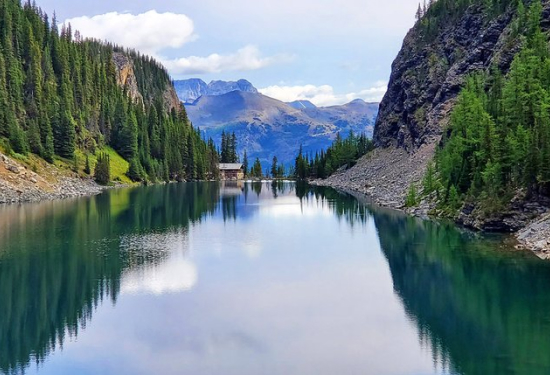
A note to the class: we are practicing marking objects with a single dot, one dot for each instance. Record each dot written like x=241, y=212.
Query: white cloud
x=324, y=95
x=246, y=58
x=152, y=32
x=148, y=32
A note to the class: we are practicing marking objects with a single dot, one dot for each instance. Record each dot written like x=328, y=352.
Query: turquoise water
x=261, y=279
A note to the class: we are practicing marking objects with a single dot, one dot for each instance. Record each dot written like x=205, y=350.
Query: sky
x=326, y=51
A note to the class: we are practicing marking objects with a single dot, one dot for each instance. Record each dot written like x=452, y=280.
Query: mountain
x=191, y=89
x=302, y=104
x=267, y=127
x=223, y=87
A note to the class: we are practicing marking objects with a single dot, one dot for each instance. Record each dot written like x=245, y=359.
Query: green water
x=261, y=279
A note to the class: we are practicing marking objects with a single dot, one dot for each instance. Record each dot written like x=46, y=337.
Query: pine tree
x=257, y=168
x=87, y=168
x=274, y=168
x=102, y=172
x=499, y=135
x=245, y=163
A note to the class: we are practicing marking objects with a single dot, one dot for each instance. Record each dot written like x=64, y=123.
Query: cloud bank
x=152, y=32
x=148, y=32
x=247, y=58
x=324, y=95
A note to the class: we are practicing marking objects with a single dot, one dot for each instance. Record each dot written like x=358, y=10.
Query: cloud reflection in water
x=159, y=264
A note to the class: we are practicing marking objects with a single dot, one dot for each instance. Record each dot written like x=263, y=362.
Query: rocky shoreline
x=21, y=184
x=67, y=188
x=385, y=175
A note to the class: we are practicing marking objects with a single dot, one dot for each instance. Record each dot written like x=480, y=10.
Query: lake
x=261, y=278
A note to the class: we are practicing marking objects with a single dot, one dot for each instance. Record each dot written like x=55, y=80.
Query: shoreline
x=19, y=184
x=67, y=187
x=534, y=236
x=37, y=181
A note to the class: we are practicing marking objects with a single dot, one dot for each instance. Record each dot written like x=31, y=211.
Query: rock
x=13, y=169
x=536, y=235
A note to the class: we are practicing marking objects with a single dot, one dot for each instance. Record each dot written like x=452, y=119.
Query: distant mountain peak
x=190, y=90
x=302, y=104
x=267, y=127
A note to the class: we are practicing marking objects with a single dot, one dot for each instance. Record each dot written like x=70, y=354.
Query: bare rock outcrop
x=126, y=77
x=427, y=76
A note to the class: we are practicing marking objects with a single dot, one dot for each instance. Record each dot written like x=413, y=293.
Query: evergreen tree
x=102, y=172
x=87, y=168
x=245, y=163
x=498, y=138
x=257, y=169
x=275, y=168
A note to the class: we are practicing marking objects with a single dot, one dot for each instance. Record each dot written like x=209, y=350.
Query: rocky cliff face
x=427, y=77
x=170, y=97
x=126, y=77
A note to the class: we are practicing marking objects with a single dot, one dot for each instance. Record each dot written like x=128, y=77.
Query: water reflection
x=477, y=308
x=481, y=310
x=480, y=307
x=59, y=260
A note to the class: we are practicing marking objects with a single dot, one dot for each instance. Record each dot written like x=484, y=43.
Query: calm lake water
x=260, y=279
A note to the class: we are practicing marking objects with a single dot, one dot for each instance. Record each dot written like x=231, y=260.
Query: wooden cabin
x=231, y=172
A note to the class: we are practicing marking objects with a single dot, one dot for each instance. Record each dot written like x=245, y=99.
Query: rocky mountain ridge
x=426, y=78
x=266, y=127
x=191, y=89
x=126, y=78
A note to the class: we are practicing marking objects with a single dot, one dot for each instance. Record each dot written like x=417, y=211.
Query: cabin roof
x=230, y=166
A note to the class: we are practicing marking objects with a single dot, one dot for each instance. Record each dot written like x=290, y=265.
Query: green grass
x=119, y=166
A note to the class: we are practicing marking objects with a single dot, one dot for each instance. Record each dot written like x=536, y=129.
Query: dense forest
x=498, y=139
x=59, y=99
x=342, y=152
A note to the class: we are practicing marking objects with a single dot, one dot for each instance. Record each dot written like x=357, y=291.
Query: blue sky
x=327, y=51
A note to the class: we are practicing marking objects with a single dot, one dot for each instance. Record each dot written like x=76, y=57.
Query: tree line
x=59, y=96
x=342, y=153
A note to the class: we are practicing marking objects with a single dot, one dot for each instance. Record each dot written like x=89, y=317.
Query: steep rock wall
x=426, y=77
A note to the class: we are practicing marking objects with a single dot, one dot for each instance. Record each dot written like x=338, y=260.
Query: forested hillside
x=498, y=140
x=65, y=97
